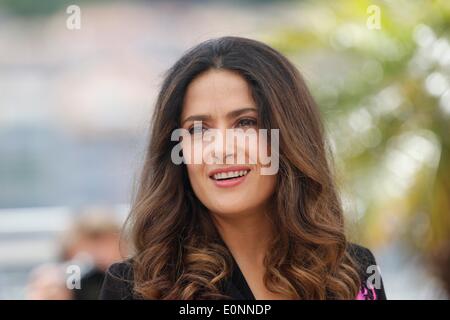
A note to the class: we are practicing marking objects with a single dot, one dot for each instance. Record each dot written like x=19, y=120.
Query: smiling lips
x=229, y=177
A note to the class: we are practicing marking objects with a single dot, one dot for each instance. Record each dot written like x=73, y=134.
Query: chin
x=227, y=210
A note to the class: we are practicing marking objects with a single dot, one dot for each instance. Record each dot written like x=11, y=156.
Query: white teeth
x=230, y=174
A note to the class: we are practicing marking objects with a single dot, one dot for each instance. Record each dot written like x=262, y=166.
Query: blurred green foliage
x=385, y=95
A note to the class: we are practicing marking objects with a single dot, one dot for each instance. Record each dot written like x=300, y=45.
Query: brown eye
x=197, y=129
x=247, y=122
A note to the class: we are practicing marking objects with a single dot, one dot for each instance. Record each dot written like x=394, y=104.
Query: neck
x=246, y=235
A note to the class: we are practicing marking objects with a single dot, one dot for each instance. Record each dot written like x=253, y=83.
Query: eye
x=197, y=129
x=246, y=123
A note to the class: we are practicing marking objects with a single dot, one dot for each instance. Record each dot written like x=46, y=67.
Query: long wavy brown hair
x=178, y=252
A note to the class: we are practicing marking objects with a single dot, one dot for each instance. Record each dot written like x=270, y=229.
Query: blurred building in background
x=75, y=107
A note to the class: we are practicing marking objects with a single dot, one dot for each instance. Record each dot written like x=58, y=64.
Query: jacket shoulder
x=371, y=281
x=362, y=255
x=118, y=282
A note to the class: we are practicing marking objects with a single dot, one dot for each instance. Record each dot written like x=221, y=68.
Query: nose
x=222, y=148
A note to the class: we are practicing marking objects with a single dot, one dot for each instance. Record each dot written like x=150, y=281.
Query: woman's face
x=230, y=182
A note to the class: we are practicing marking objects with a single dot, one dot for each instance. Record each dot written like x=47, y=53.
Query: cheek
x=265, y=185
x=196, y=177
x=252, y=152
x=256, y=149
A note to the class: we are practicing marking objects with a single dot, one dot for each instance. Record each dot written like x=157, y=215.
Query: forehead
x=217, y=92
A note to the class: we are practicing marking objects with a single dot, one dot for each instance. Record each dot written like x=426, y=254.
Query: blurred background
x=78, y=80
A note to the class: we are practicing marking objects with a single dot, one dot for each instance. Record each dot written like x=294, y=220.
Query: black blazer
x=118, y=283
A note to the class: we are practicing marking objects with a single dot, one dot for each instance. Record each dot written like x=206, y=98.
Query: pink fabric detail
x=364, y=294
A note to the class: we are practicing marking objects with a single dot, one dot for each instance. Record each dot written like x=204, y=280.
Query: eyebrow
x=231, y=114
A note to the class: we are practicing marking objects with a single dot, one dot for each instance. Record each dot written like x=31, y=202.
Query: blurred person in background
x=441, y=266
x=89, y=246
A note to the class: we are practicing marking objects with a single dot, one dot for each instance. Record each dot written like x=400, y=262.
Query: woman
x=223, y=229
